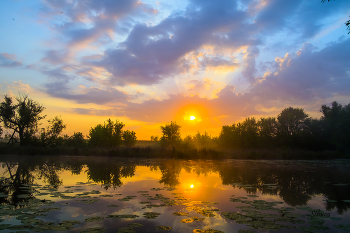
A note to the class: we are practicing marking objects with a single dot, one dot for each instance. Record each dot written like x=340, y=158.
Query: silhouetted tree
x=49, y=136
x=171, y=134
x=291, y=122
x=109, y=134
x=21, y=116
x=129, y=138
x=267, y=131
x=336, y=119
x=77, y=139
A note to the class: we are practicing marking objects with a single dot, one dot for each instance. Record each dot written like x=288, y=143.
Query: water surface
x=86, y=194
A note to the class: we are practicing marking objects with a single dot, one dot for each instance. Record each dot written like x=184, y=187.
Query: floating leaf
x=342, y=227
x=181, y=213
x=122, y=216
x=207, y=231
x=135, y=225
x=93, y=219
x=151, y=215
x=126, y=230
x=93, y=230
x=193, y=219
x=164, y=228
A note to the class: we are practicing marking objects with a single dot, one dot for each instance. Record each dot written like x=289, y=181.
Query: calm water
x=84, y=194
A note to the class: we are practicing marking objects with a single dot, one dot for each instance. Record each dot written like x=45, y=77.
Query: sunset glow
x=202, y=64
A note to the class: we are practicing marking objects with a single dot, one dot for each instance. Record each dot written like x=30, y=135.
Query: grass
x=149, y=149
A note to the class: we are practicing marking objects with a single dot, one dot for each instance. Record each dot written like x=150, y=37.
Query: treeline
x=21, y=116
x=291, y=129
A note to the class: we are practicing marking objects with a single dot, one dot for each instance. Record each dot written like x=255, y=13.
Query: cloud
x=98, y=112
x=9, y=60
x=307, y=75
x=153, y=53
x=87, y=95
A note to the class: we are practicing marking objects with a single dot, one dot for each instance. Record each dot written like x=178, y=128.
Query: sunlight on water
x=103, y=195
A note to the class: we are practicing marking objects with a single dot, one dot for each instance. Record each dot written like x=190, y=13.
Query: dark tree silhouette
x=22, y=117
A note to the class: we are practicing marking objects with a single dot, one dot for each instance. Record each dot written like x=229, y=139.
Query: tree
x=267, y=131
x=49, y=136
x=77, y=139
x=291, y=124
x=347, y=23
x=22, y=116
x=109, y=134
x=291, y=121
x=336, y=119
x=154, y=138
x=129, y=138
x=171, y=134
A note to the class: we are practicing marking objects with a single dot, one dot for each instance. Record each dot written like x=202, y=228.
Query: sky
x=147, y=63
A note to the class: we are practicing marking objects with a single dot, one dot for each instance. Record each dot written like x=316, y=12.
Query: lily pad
x=151, y=215
x=126, y=230
x=164, y=228
x=122, y=216
x=342, y=227
x=135, y=225
x=181, y=213
x=207, y=231
x=94, y=219
x=94, y=230
x=193, y=219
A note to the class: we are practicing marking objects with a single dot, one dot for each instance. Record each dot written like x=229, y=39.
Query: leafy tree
x=77, y=139
x=49, y=136
x=267, y=131
x=109, y=134
x=249, y=133
x=171, y=134
x=336, y=119
x=291, y=121
x=22, y=116
x=129, y=138
x=154, y=138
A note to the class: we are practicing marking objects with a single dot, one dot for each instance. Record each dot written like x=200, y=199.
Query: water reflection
x=295, y=182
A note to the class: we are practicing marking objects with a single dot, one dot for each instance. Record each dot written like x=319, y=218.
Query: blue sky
x=151, y=62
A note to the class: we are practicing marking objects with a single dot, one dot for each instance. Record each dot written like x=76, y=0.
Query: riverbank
x=177, y=153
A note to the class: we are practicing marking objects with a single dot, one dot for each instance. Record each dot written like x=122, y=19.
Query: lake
x=87, y=194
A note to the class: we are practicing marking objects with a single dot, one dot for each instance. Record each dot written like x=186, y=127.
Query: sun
x=191, y=186
x=192, y=118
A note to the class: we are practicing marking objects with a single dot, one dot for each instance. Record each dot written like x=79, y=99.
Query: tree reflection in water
x=19, y=176
x=294, y=182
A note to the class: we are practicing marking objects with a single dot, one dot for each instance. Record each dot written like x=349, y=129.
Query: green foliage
x=336, y=123
x=107, y=135
x=22, y=116
x=171, y=135
x=267, y=131
x=129, y=138
x=77, y=140
x=154, y=138
x=199, y=141
x=291, y=121
x=49, y=136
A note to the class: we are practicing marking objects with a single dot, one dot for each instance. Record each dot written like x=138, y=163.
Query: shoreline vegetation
x=157, y=152
x=292, y=135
